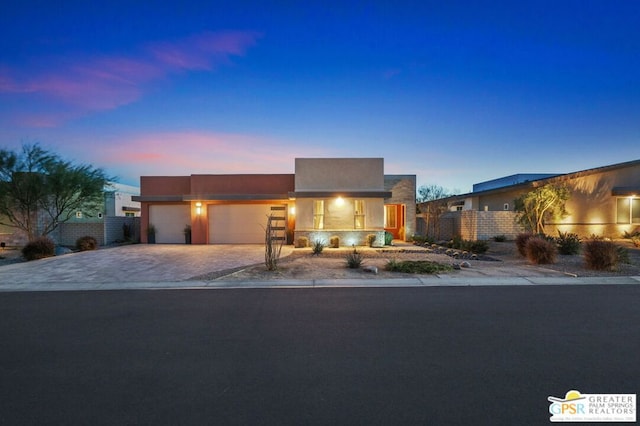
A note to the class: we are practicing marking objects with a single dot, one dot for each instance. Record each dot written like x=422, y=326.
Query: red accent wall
x=242, y=184
x=165, y=185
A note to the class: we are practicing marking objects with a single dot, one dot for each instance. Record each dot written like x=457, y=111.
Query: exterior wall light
x=339, y=201
x=292, y=211
x=198, y=208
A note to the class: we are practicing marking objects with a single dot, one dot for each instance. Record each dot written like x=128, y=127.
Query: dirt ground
x=501, y=260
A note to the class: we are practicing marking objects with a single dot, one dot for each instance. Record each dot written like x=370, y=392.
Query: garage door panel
x=238, y=223
x=170, y=221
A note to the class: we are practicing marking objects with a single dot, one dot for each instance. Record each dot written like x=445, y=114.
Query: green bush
x=318, y=246
x=301, y=242
x=500, y=238
x=86, y=243
x=417, y=267
x=477, y=246
x=371, y=239
x=388, y=238
x=421, y=240
x=601, y=255
x=521, y=243
x=539, y=250
x=39, y=248
x=334, y=242
x=568, y=243
x=354, y=259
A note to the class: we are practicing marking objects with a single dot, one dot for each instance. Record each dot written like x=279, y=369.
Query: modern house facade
x=604, y=201
x=350, y=198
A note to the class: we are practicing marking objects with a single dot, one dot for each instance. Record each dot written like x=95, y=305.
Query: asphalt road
x=434, y=356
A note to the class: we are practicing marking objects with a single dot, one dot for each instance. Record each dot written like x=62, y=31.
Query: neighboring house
x=106, y=224
x=604, y=201
x=346, y=197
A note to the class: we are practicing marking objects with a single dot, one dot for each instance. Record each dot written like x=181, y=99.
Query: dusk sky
x=454, y=92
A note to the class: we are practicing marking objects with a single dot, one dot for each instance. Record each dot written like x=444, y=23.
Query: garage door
x=240, y=223
x=170, y=222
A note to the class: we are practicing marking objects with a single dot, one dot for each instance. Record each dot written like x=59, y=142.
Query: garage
x=170, y=221
x=240, y=223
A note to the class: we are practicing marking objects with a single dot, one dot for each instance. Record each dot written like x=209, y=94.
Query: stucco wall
x=329, y=174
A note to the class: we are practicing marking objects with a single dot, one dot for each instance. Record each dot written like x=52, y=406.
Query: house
x=604, y=201
x=104, y=222
x=350, y=198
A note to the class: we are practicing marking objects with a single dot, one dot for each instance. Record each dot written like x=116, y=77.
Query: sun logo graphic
x=581, y=407
x=571, y=404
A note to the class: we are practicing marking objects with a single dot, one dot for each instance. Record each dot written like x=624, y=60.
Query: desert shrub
x=477, y=246
x=421, y=240
x=388, y=238
x=301, y=242
x=318, y=246
x=539, y=250
x=86, y=243
x=39, y=248
x=354, y=259
x=636, y=240
x=334, y=242
x=416, y=266
x=371, y=239
x=601, y=255
x=521, y=243
x=456, y=242
x=568, y=243
x=500, y=238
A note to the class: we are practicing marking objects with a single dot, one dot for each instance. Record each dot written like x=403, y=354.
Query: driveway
x=138, y=262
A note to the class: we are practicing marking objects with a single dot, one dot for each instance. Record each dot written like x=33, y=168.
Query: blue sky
x=455, y=92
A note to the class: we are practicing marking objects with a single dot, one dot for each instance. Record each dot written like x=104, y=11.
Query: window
x=129, y=214
x=628, y=210
x=318, y=214
x=505, y=207
x=358, y=214
x=390, y=217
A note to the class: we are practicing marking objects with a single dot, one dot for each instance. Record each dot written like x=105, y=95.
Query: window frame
x=318, y=214
x=359, y=217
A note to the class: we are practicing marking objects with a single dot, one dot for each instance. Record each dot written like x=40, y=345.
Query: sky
x=455, y=92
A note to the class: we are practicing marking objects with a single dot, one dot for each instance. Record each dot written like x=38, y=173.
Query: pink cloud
x=107, y=82
x=203, y=51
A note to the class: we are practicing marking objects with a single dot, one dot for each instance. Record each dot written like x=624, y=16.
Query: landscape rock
x=370, y=268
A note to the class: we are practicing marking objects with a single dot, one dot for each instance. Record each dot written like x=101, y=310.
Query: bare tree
x=431, y=204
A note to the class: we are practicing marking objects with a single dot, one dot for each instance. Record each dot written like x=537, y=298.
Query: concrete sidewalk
x=432, y=281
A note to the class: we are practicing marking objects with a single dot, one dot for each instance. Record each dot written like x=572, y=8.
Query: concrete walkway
x=144, y=266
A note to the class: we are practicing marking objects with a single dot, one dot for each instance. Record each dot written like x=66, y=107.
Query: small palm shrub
x=334, y=242
x=601, y=255
x=354, y=259
x=568, y=243
x=318, y=246
x=521, y=242
x=301, y=242
x=86, y=243
x=39, y=248
x=540, y=251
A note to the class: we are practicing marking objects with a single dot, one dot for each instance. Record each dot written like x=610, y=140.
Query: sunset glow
x=456, y=93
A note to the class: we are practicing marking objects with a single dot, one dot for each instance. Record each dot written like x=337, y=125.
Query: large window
x=358, y=214
x=318, y=214
x=391, y=216
x=628, y=210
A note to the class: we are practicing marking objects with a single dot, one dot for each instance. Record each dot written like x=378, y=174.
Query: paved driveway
x=139, y=262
